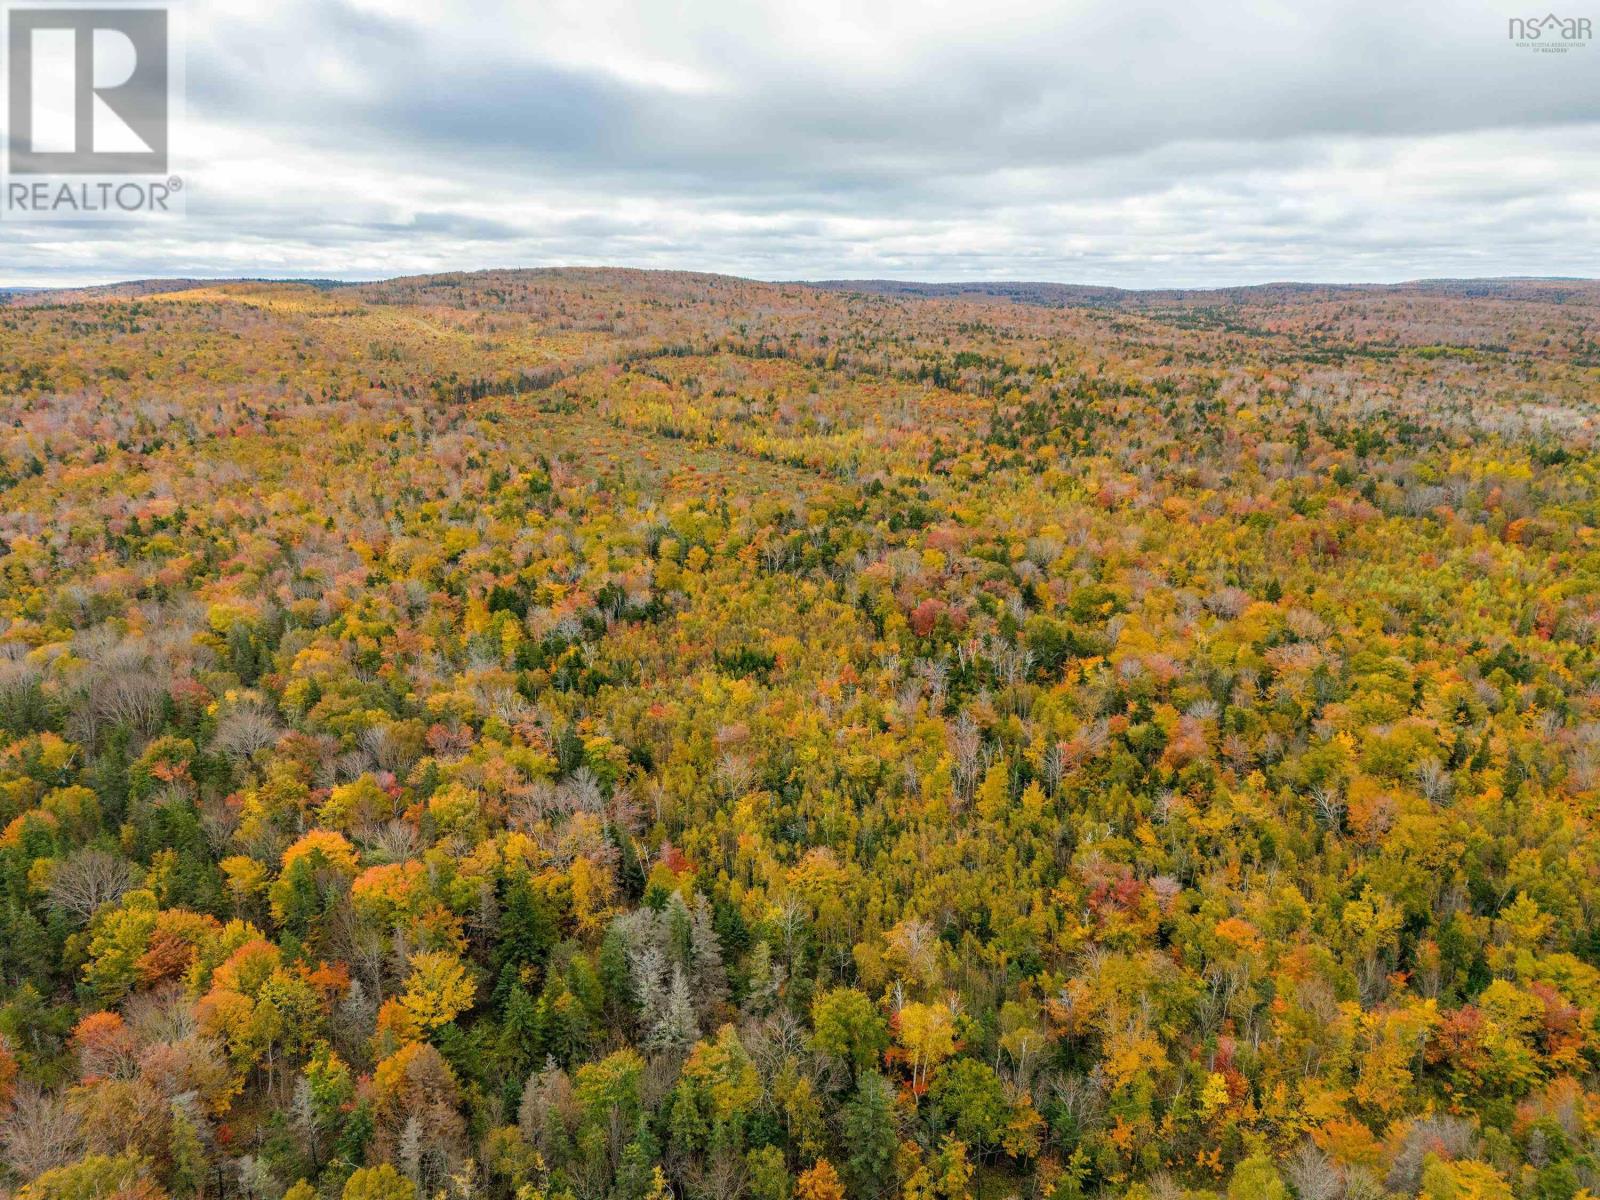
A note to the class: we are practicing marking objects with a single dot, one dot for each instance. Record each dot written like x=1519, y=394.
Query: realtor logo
x=93, y=93
x=88, y=91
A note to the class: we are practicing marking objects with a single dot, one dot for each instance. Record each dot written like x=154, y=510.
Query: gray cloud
x=1149, y=143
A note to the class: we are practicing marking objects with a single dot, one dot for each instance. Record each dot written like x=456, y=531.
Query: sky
x=1141, y=143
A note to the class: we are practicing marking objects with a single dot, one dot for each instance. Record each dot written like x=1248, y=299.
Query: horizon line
x=835, y=282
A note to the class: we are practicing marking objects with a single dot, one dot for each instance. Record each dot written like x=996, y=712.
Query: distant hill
x=1037, y=292
x=1072, y=295
x=132, y=289
x=1050, y=294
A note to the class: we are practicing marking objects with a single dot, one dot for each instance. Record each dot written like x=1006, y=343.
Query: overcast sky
x=1165, y=142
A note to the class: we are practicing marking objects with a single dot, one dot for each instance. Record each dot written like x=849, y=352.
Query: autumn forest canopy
x=598, y=735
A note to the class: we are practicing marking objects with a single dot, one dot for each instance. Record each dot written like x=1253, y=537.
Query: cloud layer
x=1141, y=144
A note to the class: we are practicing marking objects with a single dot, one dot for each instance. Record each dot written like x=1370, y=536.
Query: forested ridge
x=607, y=735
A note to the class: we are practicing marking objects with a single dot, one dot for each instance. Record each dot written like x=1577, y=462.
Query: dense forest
x=599, y=735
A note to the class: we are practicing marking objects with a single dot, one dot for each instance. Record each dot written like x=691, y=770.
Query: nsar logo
x=1550, y=34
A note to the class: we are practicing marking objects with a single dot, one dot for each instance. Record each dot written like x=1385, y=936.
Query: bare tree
x=1329, y=805
x=245, y=730
x=736, y=775
x=40, y=1134
x=707, y=972
x=675, y=1028
x=390, y=841
x=1313, y=1174
x=584, y=792
x=1434, y=781
x=547, y=1111
x=387, y=752
x=127, y=691
x=1450, y=1138
x=89, y=879
x=966, y=743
